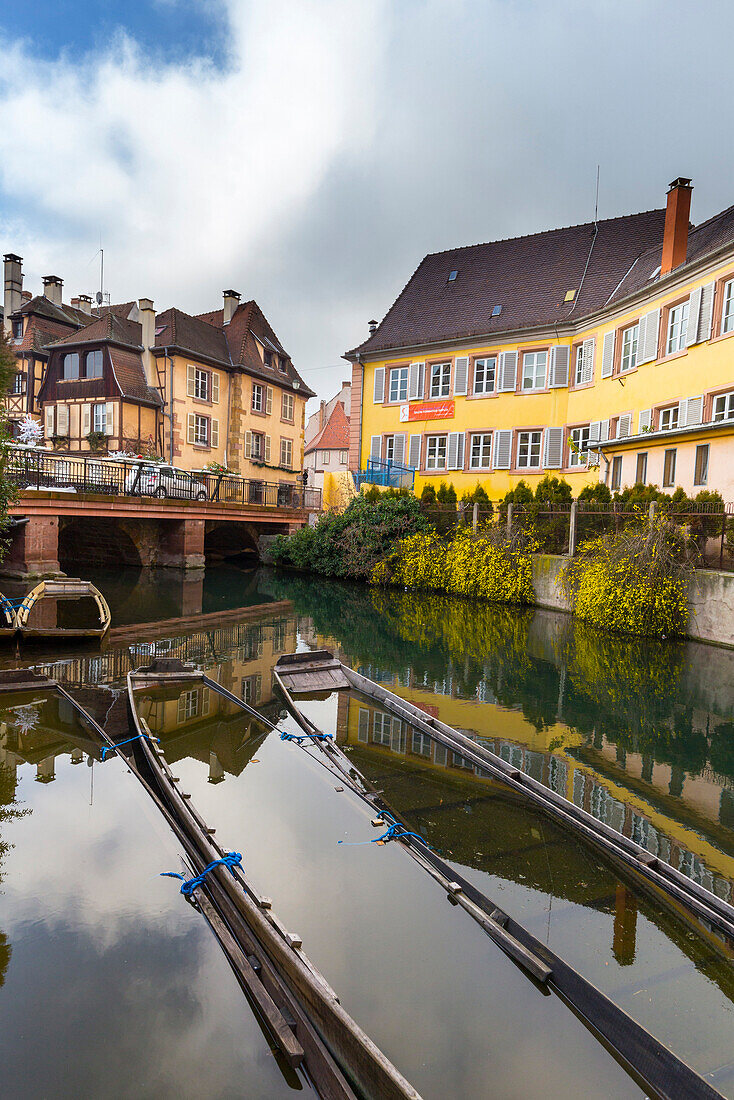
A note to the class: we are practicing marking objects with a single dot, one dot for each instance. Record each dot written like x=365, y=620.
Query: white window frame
x=669, y=484
x=257, y=447
x=580, y=458
x=675, y=339
x=529, y=441
x=201, y=430
x=482, y=369
x=436, y=452
x=697, y=481
x=287, y=402
x=99, y=418
x=616, y=482
x=440, y=379
x=258, y=397
x=578, y=371
x=286, y=453
x=398, y=384
x=96, y=355
x=727, y=308
x=389, y=448
x=480, y=451
x=343, y=458
x=532, y=363
x=18, y=386
x=727, y=405
x=201, y=384
x=630, y=348
x=671, y=415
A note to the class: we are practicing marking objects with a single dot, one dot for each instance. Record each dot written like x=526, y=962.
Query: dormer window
x=282, y=363
x=18, y=329
x=93, y=364
x=70, y=366
x=268, y=358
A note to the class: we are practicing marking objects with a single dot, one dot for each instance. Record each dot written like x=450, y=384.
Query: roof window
x=570, y=295
x=496, y=311
x=452, y=276
x=160, y=329
x=656, y=272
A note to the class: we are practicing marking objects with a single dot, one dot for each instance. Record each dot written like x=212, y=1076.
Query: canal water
x=112, y=986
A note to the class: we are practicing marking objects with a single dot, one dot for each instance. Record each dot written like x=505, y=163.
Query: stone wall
x=710, y=598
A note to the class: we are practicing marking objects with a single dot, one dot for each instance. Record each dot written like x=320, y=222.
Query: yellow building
x=595, y=352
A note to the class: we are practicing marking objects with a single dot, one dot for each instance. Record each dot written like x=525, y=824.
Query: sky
x=309, y=153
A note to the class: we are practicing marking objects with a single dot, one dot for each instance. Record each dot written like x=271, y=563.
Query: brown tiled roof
x=528, y=277
x=39, y=333
x=174, y=328
x=122, y=309
x=335, y=433
x=130, y=374
x=41, y=306
x=703, y=240
x=109, y=328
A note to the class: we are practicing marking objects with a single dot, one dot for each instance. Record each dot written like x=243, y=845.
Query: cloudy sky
x=309, y=152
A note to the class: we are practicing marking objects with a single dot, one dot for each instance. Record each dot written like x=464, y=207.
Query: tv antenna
x=596, y=203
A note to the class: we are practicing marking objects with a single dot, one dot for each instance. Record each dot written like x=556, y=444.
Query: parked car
x=164, y=481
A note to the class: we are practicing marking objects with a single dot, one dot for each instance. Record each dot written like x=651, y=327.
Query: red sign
x=428, y=410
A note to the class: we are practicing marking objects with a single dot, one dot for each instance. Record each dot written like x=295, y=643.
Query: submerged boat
x=15, y=613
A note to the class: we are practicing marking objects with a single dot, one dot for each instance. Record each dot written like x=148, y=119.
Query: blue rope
x=299, y=738
x=108, y=749
x=231, y=860
x=395, y=831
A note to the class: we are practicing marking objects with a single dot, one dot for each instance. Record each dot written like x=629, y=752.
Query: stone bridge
x=52, y=528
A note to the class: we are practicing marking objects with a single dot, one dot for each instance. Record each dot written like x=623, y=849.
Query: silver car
x=164, y=481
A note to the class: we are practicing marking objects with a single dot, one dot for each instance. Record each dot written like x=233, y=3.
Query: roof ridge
x=712, y=219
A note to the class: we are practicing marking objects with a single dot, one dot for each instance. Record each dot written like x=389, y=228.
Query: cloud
x=341, y=140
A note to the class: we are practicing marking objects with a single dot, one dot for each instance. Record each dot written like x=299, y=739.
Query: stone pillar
x=182, y=544
x=572, y=529
x=34, y=550
x=192, y=594
x=625, y=926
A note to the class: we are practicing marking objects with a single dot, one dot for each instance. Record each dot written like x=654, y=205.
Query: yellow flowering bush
x=471, y=565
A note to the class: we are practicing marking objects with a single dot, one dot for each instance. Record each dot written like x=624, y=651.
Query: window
x=389, y=448
x=630, y=337
x=669, y=468
x=579, y=455
x=724, y=405
x=641, y=471
x=452, y=276
x=258, y=446
x=286, y=453
x=201, y=430
x=18, y=329
x=324, y=458
x=399, y=384
x=578, y=375
x=258, y=397
x=99, y=418
x=701, y=469
x=282, y=363
x=18, y=385
x=188, y=705
x=343, y=458
x=268, y=358
x=93, y=364
x=677, y=328
x=421, y=743
x=440, y=379
x=252, y=689
x=201, y=384
x=534, y=369
x=286, y=407
x=616, y=472
x=528, y=450
x=280, y=635
x=485, y=371
x=70, y=366
x=481, y=451
x=436, y=453
x=669, y=418
x=727, y=313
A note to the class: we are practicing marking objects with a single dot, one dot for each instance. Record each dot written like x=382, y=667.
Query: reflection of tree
x=722, y=749
x=8, y=811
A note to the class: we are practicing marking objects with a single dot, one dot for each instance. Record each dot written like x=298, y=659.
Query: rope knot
x=230, y=859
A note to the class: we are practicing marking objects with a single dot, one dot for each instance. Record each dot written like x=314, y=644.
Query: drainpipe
x=167, y=358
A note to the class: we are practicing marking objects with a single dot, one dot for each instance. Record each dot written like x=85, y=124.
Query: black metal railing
x=33, y=470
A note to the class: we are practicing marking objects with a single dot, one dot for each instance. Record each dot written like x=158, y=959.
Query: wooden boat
x=661, y=1071
x=65, y=588
x=300, y=1010
x=7, y=617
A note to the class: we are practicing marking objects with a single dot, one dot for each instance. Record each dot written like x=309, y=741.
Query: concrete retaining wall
x=710, y=599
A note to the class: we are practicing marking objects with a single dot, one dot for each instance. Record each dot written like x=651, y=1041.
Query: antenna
x=596, y=204
x=100, y=296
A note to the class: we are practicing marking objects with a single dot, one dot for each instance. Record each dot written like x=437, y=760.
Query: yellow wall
x=702, y=368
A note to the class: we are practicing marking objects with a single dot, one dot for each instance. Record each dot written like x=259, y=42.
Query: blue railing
x=392, y=474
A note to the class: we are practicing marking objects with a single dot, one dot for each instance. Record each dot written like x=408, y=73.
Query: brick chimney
x=53, y=288
x=13, y=299
x=85, y=303
x=231, y=301
x=675, y=236
x=146, y=313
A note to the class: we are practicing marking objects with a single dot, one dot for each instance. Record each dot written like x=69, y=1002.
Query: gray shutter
x=502, y=449
x=414, y=451
x=553, y=458
x=604, y=431
x=682, y=412
x=376, y=446
x=379, y=392
x=455, y=455
x=594, y=431
x=399, y=449
x=624, y=426
x=645, y=420
x=460, y=376
x=607, y=355
x=587, y=360
x=694, y=411
x=560, y=357
x=694, y=316
x=508, y=371
x=647, y=341
x=363, y=725
x=415, y=385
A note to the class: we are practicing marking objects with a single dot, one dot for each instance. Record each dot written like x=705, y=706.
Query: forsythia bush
x=467, y=565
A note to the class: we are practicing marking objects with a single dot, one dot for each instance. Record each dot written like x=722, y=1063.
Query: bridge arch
x=99, y=540
x=225, y=541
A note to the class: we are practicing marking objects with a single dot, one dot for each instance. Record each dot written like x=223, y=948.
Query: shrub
x=599, y=493
x=446, y=494
x=428, y=495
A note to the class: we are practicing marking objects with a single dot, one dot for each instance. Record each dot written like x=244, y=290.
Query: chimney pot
x=53, y=288
x=146, y=312
x=231, y=301
x=85, y=303
x=373, y=327
x=675, y=234
x=13, y=297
